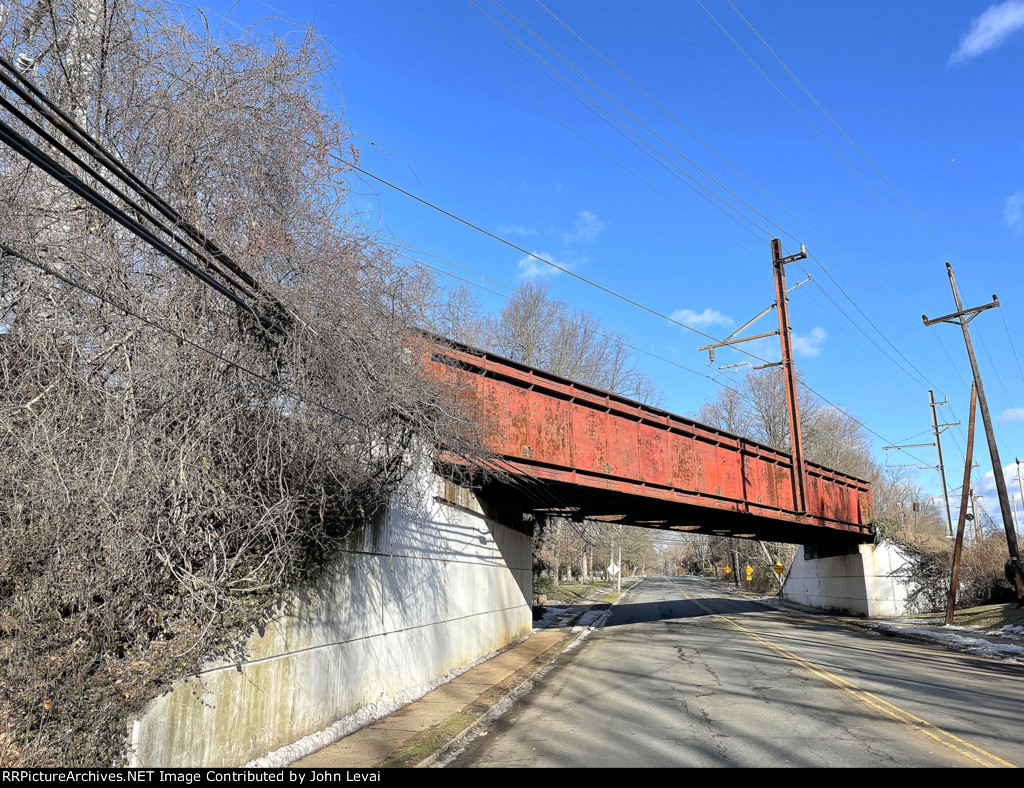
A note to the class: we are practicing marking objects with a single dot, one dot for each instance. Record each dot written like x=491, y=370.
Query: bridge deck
x=602, y=456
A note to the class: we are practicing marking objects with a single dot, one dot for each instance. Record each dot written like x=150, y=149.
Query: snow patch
x=972, y=645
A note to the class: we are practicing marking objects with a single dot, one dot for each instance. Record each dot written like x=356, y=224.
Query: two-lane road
x=687, y=673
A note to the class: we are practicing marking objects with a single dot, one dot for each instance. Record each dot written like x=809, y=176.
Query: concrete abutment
x=865, y=579
x=435, y=586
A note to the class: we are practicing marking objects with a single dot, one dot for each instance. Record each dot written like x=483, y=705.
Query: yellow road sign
x=727, y=570
x=779, y=568
x=749, y=570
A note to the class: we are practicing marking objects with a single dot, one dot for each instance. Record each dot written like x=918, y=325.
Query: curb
x=524, y=686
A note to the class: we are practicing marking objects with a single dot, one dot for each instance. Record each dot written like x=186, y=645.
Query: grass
x=574, y=592
x=985, y=617
x=431, y=741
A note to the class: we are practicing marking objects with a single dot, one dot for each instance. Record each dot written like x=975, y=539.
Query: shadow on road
x=643, y=612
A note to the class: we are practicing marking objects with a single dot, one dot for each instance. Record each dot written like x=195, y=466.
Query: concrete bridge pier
x=861, y=579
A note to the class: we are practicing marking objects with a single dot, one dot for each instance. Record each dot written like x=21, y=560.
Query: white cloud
x=515, y=229
x=1010, y=414
x=809, y=344
x=985, y=488
x=532, y=268
x=990, y=30
x=709, y=317
x=1014, y=212
x=587, y=228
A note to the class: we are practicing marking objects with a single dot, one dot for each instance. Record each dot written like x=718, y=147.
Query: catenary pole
x=938, y=451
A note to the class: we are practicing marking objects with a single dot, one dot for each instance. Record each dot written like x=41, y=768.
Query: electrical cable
x=575, y=133
x=11, y=252
x=638, y=142
x=564, y=270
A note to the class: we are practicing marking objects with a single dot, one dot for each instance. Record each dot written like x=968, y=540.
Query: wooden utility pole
x=1020, y=486
x=954, y=579
x=962, y=317
x=938, y=449
x=786, y=339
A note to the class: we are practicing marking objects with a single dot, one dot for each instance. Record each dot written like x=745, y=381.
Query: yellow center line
x=941, y=736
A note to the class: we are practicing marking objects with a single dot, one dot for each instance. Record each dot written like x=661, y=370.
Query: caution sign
x=749, y=570
x=727, y=570
x=779, y=568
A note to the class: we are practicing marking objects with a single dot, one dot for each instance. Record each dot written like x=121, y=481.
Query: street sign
x=613, y=569
x=779, y=568
x=727, y=570
x=750, y=571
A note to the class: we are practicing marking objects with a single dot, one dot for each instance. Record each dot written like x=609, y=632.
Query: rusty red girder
x=607, y=457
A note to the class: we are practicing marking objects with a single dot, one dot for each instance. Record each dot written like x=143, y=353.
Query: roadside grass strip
x=939, y=735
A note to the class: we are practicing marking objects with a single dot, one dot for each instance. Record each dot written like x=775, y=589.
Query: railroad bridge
x=575, y=451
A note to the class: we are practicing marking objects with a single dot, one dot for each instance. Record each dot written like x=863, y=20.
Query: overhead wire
x=616, y=336
x=156, y=233
x=10, y=251
x=20, y=84
x=757, y=187
x=675, y=150
x=554, y=265
x=647, y=128
x=635, y=139
x=570, y=129
x=860, y=152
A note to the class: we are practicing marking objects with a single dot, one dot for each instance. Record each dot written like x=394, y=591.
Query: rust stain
x=587, y=436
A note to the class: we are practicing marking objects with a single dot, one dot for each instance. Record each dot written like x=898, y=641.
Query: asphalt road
x=687, y=673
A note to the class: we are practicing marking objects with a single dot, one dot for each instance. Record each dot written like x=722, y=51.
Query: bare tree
x=178, y=456
x=756, y=409
x=536, y=329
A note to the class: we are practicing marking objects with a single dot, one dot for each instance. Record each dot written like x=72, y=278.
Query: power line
x=238, y=293
x=803, y=117
x=649, y=130
x=39, y=102
x=631, y=115
x=639, y=142
x=11, y=252
x=569, y=128
x=838, y=128
x=616, y=336
x=877, y=172
x=564, y=270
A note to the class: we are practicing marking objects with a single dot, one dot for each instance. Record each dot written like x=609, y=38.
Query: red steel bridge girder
x=642, y=462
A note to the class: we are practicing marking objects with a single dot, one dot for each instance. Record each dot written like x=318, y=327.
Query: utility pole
x=979, y=534
x=786, y=340
x=963, y=317
x=938, y=450
x=937, y=429
x=1020, y=486
x=961, y=521
x=785, y=335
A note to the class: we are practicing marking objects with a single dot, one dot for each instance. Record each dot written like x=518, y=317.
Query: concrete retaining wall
x=870, y=580
x=421, y=593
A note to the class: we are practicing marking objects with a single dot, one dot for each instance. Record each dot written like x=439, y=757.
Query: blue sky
x=917, y=161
